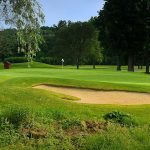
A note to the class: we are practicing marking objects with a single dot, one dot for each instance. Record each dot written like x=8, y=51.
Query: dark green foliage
x=53, y=49
x=124, y=28
x=50, y=60
x=120, y=117
x=77, y=40
x=16, y=59
x=8, y=43
x=14, y=116
x=68, y=123
x=46, y=48
x=58, y=115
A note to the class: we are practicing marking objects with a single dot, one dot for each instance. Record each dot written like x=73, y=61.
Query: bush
x=120, y=117
x=8, y=135
x=14, y=116
x=58, y=115
x=16, y=59
x=68, y=123
x=49, y=60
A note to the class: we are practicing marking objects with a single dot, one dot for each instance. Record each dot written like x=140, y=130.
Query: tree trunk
x=94, y=65
x=118, y=67
x=147, y=66
x=131, y=63
x=29, y=64
x=147, y=69
x=138, y=66
x=118, y=64
x=141, y=66
x=77, y=63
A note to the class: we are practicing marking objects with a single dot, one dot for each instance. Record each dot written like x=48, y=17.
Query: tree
x=146, y=23
x=94, y=55
x=75, y=40
x=47, y=46
x=8, y=43
x=61, y=24
x=121, y=28
x=26, y=16
x=109, y=36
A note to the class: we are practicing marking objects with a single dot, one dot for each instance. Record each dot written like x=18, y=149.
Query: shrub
x=121, y=118
x=14, y=116
x=16, y=59
x=49, y=60
x=68, y=123
x=58, y=115
x=8, y=134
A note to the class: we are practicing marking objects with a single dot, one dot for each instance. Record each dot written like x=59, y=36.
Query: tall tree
x=121, y=27
x=47, y=46
x=61, y=24
x=26, y=16
x=146, y=23
x=76, y=40
x=94, y=55
x=8, y=43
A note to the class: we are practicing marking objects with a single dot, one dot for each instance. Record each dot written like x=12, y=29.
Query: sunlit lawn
x=16, y=92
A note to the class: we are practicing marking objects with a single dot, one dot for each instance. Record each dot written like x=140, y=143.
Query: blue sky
x=74, y=10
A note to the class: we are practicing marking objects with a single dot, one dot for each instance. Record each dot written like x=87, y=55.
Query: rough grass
x=47, y=108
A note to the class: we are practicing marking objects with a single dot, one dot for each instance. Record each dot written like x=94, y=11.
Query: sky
x=74, y=10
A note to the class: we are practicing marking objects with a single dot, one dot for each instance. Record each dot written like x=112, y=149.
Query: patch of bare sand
x=101, y=97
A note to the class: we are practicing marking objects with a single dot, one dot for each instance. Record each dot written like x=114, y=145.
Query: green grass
x=16, y=92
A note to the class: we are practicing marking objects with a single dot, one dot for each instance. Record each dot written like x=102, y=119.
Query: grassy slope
x=16, y=90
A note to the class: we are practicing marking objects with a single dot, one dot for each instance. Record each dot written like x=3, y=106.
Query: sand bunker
x=101, y=97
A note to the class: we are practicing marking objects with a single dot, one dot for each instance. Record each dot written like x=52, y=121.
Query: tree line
x=125, y=31
x=76, y=42
x=119, y=35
